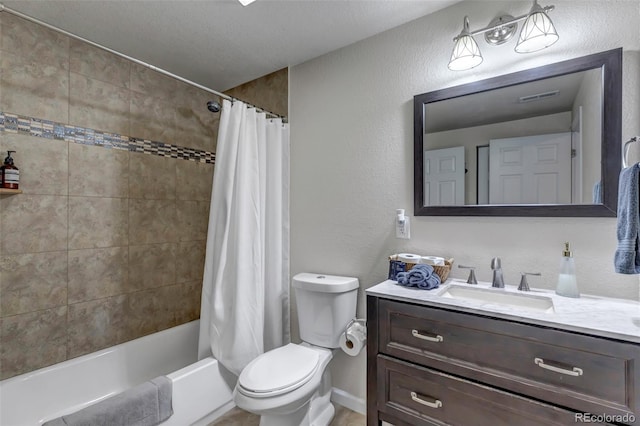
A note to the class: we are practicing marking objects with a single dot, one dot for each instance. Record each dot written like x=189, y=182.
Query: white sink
x=497, y=296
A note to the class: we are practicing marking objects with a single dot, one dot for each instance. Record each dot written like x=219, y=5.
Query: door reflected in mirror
x=539, y=142
x=531, y=143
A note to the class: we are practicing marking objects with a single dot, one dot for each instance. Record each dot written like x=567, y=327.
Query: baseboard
x=349, y=401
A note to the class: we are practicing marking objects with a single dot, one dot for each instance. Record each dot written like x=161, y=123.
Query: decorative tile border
x=14, y=123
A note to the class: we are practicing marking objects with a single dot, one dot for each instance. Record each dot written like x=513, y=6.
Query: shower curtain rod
x=4, y=8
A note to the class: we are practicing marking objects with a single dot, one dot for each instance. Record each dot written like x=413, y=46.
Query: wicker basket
x=443, y=271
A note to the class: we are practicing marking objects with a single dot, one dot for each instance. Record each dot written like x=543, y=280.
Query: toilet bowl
x=291, y=385
x=288, y=386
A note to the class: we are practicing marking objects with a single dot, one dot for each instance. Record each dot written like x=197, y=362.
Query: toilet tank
x=326, y=304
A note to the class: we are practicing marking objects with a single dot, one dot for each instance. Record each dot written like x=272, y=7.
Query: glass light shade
x=466, y=53
x=537, y=32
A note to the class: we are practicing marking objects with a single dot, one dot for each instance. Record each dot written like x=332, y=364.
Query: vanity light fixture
x=466, y=53
x=537, y=33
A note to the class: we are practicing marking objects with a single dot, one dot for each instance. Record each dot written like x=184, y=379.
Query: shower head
x=213, y=106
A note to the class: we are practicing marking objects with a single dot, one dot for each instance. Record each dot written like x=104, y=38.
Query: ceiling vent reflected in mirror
x=538, y=96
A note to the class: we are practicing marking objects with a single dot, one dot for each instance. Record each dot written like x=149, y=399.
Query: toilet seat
x=278, y=371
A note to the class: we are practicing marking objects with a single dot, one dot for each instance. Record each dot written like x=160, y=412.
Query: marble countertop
x=599, y=316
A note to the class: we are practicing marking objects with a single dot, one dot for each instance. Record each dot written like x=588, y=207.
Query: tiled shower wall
x=106, y=244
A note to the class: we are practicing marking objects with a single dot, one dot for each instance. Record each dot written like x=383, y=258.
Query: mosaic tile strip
x=14, y=123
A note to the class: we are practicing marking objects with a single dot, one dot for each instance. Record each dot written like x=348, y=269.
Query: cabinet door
x=421, y=396
x=583, y=373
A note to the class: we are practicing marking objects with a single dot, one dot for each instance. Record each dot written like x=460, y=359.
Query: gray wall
x=352, y=156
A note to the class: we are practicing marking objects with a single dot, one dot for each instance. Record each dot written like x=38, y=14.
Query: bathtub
x=202, y=390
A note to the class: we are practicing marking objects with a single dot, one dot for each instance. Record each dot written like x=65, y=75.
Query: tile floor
x=237, y=417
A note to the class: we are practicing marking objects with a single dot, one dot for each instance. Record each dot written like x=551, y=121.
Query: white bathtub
x=202, y=391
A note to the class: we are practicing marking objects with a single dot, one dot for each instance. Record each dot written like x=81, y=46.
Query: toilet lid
x=279, y=370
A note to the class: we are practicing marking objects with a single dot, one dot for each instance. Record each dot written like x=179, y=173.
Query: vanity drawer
x=421, y=396
x=580, y=372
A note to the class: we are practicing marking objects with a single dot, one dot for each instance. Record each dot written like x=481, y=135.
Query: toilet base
x=320, y=413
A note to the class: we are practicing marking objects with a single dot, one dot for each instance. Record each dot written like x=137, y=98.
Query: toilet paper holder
x=362, y=322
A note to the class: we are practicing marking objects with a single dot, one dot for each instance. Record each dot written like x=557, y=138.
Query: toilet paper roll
x=353, y=340
x=409, y=257
x=432, y=260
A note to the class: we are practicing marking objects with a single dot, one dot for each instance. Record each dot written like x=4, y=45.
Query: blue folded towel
x=597, y=192
x=148, y=404
x=421, y=276
x=627, y=256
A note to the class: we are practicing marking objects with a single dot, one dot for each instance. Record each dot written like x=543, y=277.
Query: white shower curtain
x=245, y=289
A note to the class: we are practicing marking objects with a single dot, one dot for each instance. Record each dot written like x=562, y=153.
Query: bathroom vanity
x=470, y=355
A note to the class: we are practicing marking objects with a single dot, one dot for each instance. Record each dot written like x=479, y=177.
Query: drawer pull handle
x=435, y=404
x=416, y=333
x=574, y=372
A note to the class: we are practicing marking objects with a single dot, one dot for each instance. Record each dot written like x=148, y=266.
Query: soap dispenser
x=567, y=283
x=9, y=173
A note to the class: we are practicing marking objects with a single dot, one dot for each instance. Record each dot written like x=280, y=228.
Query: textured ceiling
x=219, y=43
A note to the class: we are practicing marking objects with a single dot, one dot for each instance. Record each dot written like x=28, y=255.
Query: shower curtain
x=245, y=290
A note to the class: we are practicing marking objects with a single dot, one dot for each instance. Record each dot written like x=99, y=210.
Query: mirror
x=540, y=142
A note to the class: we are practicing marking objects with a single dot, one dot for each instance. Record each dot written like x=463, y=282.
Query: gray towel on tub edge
x=148, y=404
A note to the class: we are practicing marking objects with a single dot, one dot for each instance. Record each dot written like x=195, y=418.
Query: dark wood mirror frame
x=611, y=64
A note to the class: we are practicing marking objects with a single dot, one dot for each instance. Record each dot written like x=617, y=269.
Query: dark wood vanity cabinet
x=433, y=366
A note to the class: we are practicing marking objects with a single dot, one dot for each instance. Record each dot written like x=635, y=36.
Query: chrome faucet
x=498, y=279
x=524, y=285
x=472, y=274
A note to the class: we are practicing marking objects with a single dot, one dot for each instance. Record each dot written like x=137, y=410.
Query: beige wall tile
x=98, y=105
x=97, y=222
x=190, y=261
x=98, y=64
x=2, y=197
x=151, y=83
x=152, y=176
x=42, y=163
x=77, y=199
x=196, y=126
x=97, y=171
x=97, y=324
x=33, y=223
x=98, y=273
x=32, y=282
x=34, y=42
x=152, y=265
x=196, y=132
x=270, y=92
x=152, y=118
x=193, y=180
x=190, y=298
x=154, y=309
x=169, y=300
x=142, y=313
x=33, y=340
x=152, y=221
x=34, y=89
x=193, y=220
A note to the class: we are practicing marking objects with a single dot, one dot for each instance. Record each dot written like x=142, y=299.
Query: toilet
x=291, y=385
